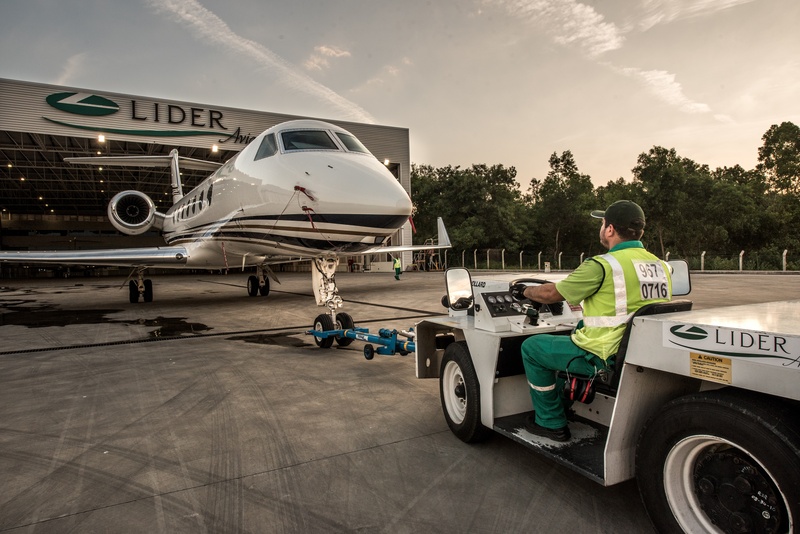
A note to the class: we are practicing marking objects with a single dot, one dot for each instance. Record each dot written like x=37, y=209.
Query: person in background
x=398, y=268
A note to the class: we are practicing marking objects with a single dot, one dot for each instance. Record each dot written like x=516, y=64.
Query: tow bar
x=386, y=339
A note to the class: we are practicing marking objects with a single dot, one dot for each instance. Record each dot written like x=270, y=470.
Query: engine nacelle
x=132, y=212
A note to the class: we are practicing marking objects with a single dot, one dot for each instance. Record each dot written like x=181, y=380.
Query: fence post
x=503, y=259
x=703, y=261
x=520, y=260
x=445, y=260
x=666, y=258
x=475, y=258
x=488, y=250
x=559, y=260
x=582, y=253
x=463, y=263
x=540, y=261
x=741, y=260
x=785, y=252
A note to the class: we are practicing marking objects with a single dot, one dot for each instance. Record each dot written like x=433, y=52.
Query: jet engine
x=132, y=212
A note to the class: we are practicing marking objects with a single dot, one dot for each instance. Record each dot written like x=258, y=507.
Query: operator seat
x=609, y=384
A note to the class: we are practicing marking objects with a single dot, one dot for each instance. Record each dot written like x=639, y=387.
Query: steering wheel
x=537, y=281
x=557, y=308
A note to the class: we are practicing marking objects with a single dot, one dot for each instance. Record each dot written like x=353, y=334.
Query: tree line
x=690, y=208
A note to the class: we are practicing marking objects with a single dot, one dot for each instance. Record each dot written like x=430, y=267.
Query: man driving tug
x=610, y=288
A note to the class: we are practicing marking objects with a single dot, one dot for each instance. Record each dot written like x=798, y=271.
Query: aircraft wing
x=119, y=257
x=147, y=161
x=443, y=241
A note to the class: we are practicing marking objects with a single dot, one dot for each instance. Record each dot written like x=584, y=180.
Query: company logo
x=689, y=332
x=82, y=104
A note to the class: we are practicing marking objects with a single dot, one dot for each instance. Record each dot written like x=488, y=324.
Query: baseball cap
x=622, y=213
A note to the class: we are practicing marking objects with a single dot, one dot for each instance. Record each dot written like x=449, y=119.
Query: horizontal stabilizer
x=120, y=257
x=147, y=161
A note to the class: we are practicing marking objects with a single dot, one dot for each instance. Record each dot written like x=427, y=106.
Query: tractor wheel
x=721, y=461
x=459, y=390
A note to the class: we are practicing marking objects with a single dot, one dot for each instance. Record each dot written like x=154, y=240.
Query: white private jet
x=302, y=189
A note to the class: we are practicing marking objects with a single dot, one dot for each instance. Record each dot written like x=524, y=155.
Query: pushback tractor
x=702, y=407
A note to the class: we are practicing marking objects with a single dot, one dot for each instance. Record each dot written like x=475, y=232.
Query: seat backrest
x=648, y=309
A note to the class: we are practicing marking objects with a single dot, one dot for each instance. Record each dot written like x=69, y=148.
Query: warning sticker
x=713, y=368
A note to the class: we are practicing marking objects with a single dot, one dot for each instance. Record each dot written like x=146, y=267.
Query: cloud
x=387, y=74
x=567, y=22
x=655, y=12
x=578, y=26
x=662, y=84
x=209, y=27
x=72, y=68
x=319, y=61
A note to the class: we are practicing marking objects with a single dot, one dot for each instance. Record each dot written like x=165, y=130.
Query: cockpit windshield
x=307, y=140
x=351, y=143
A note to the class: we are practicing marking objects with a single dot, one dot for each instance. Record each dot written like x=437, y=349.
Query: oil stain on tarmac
x=18, y=314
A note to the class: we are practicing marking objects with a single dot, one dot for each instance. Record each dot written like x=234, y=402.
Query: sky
x=475, y=81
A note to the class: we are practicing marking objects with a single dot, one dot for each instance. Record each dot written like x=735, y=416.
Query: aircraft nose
x=365, y=185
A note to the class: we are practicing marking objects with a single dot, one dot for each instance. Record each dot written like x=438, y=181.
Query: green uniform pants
x=543, y=355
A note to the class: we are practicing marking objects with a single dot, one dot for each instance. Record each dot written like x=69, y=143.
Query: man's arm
x=544, y=293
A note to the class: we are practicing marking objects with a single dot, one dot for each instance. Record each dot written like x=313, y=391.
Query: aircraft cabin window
x=267, y=148
x=208, y=196
x=307, y=140
x=351, y=143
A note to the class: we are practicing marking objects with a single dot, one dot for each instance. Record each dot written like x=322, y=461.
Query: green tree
x=673, y=196
x=561, y=206
x=779, y=157
x=482, y=206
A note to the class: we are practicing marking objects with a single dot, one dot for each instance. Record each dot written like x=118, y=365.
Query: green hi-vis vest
x=633, y=278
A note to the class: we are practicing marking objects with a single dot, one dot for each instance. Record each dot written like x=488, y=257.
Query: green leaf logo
x=82, y=104
x=693, y=333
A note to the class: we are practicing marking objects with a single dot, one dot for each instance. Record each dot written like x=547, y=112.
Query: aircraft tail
x=173, y=161
x=175, y=176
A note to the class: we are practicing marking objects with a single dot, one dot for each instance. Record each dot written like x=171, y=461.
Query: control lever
x=533, y=315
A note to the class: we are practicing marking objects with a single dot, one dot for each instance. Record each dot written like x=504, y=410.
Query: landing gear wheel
x=133, y=291
x=264, y=290
x=148, y=290
x=723, y=461
x=459, y=391
x=252, y=286
x=321, y=323
x=369, y=351
x=344, y=322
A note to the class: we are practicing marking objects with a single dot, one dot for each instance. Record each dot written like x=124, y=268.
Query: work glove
x=518, y=292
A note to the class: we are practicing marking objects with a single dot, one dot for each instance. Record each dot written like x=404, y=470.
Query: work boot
x=556, y=434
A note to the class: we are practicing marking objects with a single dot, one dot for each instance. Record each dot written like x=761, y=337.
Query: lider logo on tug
x=768, y=348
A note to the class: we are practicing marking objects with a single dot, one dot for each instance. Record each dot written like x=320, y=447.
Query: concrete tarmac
x=211, y=411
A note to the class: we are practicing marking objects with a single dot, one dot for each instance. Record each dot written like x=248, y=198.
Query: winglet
x=443, y=238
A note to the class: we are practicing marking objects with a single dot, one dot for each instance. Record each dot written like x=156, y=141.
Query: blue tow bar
x=386, y=339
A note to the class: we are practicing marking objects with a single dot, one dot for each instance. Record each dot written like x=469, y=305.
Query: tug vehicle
x=701, y=407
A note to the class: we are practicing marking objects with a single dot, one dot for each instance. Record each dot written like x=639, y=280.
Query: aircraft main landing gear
x=141, y=287
x=258, y=284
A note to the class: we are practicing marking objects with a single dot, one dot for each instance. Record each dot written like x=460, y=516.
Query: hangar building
x=47, y=204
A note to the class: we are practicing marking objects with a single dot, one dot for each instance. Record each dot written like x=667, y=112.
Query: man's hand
x=518, y=292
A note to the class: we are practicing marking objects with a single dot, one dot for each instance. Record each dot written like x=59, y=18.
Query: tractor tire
x=459, y=391
x=721, y=461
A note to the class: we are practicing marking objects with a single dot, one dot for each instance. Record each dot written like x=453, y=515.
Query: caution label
x=712, y=368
